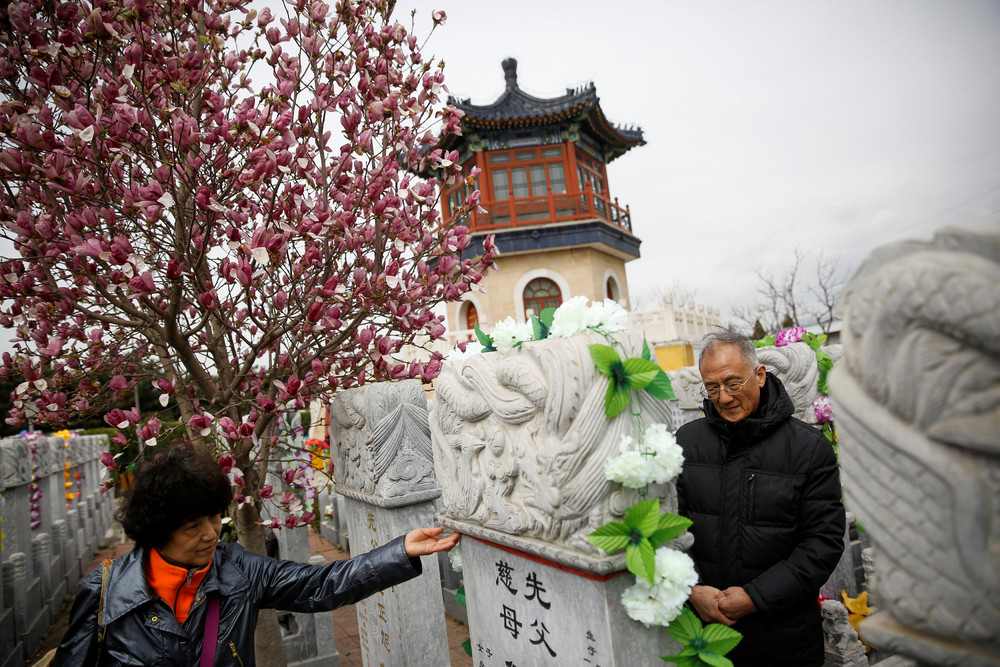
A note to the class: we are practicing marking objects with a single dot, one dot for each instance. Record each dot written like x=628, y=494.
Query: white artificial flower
x=508, y=333
x=661, y=602
x=455, y=555
x=667, y=456
x=570, y=318
x=606, y=317
x=629, y=468
x=472, y=349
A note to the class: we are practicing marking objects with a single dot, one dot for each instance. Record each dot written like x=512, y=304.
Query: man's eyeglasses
x=733, y=388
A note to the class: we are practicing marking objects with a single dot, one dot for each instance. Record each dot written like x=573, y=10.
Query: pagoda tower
x=544, y=186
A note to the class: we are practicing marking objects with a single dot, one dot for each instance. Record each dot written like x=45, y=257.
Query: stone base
x=528, y=611
x=403, y=625
x=882, y=630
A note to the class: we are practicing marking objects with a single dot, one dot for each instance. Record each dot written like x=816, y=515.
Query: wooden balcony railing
x=552, y=208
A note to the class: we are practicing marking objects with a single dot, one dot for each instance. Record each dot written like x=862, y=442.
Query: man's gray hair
x=729, y=336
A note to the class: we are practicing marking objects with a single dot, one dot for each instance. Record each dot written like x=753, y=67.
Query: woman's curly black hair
x=183, y=483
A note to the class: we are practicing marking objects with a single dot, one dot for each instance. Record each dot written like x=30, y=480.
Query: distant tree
x=206, y=198
x=670, y=294
x=789, y=299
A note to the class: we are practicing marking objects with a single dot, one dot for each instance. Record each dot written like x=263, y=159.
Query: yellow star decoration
x=857, y=609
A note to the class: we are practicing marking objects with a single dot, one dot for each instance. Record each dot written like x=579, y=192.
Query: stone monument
x=383, y=468
x=520, y=442
x=918, y=405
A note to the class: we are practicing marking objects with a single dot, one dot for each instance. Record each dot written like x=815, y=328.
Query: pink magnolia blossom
x=173, y=220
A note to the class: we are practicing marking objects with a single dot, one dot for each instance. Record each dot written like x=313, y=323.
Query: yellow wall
x=673, y=357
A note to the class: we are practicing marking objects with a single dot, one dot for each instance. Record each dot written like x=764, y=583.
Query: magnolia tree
x=219, y=200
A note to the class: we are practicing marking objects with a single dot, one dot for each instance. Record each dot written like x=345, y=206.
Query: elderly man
x=763, y=491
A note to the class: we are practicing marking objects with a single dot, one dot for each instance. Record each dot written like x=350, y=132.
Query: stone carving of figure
x=521, y=440
x=918, y=403
x=16, y=462
x=840, y=639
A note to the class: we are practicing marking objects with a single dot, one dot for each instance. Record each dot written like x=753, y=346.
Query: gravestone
x=383, y=467
x=520, y=441
x=918, y=406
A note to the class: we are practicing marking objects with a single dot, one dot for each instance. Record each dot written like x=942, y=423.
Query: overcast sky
x=837, y=125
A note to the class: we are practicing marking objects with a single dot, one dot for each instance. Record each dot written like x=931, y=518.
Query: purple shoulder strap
x=210, y=638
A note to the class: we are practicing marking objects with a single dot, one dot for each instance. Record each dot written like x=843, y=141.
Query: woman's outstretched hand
x=423, y=541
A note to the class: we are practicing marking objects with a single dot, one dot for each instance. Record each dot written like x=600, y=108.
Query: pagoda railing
x=552, y=208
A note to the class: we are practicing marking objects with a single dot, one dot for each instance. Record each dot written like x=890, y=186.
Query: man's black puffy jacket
x=764, y=498
x=142, y=630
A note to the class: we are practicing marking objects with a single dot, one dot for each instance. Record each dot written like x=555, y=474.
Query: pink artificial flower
x=786, y=336
x=823, y=409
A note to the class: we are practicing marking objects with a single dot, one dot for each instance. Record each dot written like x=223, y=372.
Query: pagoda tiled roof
x=516, y=108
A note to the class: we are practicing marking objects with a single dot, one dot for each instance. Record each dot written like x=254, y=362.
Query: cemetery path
x=345, y=619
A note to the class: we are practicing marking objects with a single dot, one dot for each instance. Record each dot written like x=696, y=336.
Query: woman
x=180, y=584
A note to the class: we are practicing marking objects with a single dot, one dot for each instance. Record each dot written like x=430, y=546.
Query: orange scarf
x=177, y=586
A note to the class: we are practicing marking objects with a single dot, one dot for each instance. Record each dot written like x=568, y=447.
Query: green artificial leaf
x=765, y=342
x=546, y=316
x=687, y=657
x=538, y=329
x=714, y=659
x=460, y=596
x=828, y=432
x=720, y=639
x=660, y=387
x=814, y=340
x=669, y=527
x=615, y=400
x=646, y=354
x=823, y=361
x=467, y=645
x=604, y=356
x=685, y=627
x=641, y=560
x=484, y=339
x=610, y=537
x=639, y=372
x=822, y=385
x=643, y=516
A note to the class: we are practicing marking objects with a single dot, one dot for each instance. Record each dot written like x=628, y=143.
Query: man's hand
x=423, y=541
x=707, y=602
x=736, y=603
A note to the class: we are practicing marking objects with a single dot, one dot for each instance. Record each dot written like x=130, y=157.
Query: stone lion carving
x=839, y=638
x=520, y=442
x=381, y=445
x=918, y=400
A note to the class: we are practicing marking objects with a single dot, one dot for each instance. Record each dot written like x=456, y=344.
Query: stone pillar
x=520, y=441
x=918, y=410
x=380, y=443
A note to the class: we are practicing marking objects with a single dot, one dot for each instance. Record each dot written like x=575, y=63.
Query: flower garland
x=34, y=488
x=70, y=480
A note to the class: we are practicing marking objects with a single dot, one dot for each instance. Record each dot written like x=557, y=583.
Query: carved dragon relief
x=381, y=444
x=520, y=442
x=918, y=402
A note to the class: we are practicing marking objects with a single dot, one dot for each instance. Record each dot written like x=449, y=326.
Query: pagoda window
x=557, y=179
x=519, y=178
x=539, y=294
x=500, y=184
x=471, y=316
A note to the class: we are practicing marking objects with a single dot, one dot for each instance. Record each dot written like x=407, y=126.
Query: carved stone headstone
x=384, y=469
x=520, y=442
x=918, y=404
